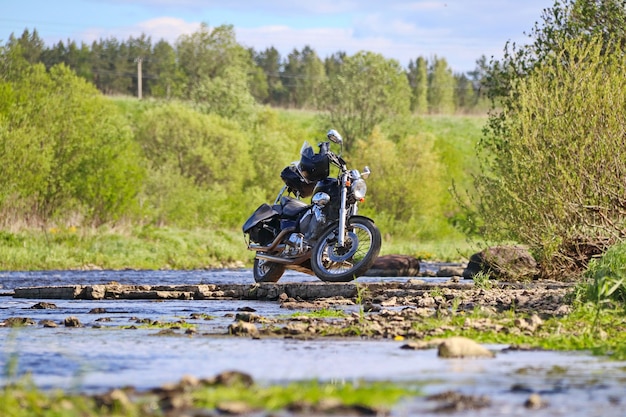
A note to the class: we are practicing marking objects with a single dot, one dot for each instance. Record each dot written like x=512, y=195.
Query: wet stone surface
x=95, y=345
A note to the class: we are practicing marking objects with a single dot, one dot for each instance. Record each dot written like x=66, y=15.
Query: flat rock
x=394, y=266
x=462, y=347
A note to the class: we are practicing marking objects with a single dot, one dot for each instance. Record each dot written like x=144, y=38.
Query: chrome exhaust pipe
x=274, y=244
x=279, y=260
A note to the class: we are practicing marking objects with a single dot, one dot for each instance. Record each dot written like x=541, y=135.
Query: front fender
x=361, y=217
x=335, y=223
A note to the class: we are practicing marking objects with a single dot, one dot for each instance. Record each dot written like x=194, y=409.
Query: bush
x=553, y=168
x=66, y=150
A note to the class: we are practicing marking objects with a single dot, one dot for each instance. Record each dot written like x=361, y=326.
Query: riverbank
x=164, y=248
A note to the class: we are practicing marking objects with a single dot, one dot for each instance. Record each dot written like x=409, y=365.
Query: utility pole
x=138, y=60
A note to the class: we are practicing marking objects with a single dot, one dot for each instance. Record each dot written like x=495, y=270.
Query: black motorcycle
x=326, y=238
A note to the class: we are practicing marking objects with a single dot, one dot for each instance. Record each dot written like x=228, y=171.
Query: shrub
x=553, y=168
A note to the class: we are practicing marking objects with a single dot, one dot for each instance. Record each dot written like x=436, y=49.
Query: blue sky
x=458, y=30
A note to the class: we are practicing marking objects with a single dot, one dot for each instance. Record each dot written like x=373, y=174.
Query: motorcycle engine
x=311, y=225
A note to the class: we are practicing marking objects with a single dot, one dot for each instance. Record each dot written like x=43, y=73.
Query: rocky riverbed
x=394, y=330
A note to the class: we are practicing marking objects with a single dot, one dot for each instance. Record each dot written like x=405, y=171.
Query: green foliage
x=306, y=75
x=441, y=87
x=565, y=20
x=210, y=150
x=226, y=95
x=210, y=66
x=554, y=163
x=406, y=191
x=418, y=79
x=210, y=53
x=201, y=160
x=65, y=149
x=366, y=90
x=607, y=278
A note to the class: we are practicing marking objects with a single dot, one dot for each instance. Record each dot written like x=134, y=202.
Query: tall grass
x=606, y=276
x=120, y=248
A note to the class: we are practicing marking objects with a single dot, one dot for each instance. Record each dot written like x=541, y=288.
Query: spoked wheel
x=266, y=271
x=334, y=263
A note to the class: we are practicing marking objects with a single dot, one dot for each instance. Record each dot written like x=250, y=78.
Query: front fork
x=343, y=211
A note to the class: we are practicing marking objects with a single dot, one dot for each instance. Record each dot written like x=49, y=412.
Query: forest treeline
x=293, y=81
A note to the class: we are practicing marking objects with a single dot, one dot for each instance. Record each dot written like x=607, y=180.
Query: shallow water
x=10, y=280
x=89, y=359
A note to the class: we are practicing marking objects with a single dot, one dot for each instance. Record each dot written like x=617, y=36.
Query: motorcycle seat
x=291, y=207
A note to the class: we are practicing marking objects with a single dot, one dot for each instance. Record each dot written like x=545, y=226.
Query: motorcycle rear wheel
x=332, y=263
x=266, y=271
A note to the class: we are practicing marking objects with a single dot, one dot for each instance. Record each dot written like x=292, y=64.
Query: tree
x=226, y=95
x=201, y=162
x=269, y=61
x=478, y=78
x=333, y=63
x=303, y=76
x=217, y=70
x=204, y=148
x=566, y=19
x=164, y=71
x=30, y=45
x=418, y=80
x=208, y=53
x=367, y=89
x=464, y=97
x=407, y=185
x=441, y=87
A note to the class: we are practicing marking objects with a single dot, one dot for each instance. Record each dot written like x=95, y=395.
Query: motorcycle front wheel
x=333, y=263
x=266, y=271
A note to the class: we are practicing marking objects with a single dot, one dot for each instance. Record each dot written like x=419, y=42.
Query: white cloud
x=167, y=28
x=459, y=30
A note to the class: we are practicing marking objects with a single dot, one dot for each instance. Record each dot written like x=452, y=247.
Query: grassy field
x=162, y=248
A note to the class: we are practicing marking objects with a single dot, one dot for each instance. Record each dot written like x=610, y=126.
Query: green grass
x=374, y=394
x=162, y=248
x=445, y=250
x=603, y=333
x=120, y=248
x=322, y=313
x=25, y=400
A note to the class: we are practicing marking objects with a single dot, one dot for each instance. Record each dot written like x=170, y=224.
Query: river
x=112, y=349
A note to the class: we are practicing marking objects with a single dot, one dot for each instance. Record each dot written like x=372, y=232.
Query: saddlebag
x=263, y=225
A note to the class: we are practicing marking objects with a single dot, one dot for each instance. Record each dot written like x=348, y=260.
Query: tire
x=266, y=271
x=362, y=245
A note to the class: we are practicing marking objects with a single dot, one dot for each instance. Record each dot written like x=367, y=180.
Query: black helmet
x=296, y=183
x=314, y=166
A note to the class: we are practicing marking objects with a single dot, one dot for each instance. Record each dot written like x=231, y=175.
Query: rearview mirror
x=334, y=137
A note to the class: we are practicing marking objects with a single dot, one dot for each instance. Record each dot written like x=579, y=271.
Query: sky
x=461, y=31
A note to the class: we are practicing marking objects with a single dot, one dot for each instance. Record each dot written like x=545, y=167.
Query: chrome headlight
x=359, y=188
